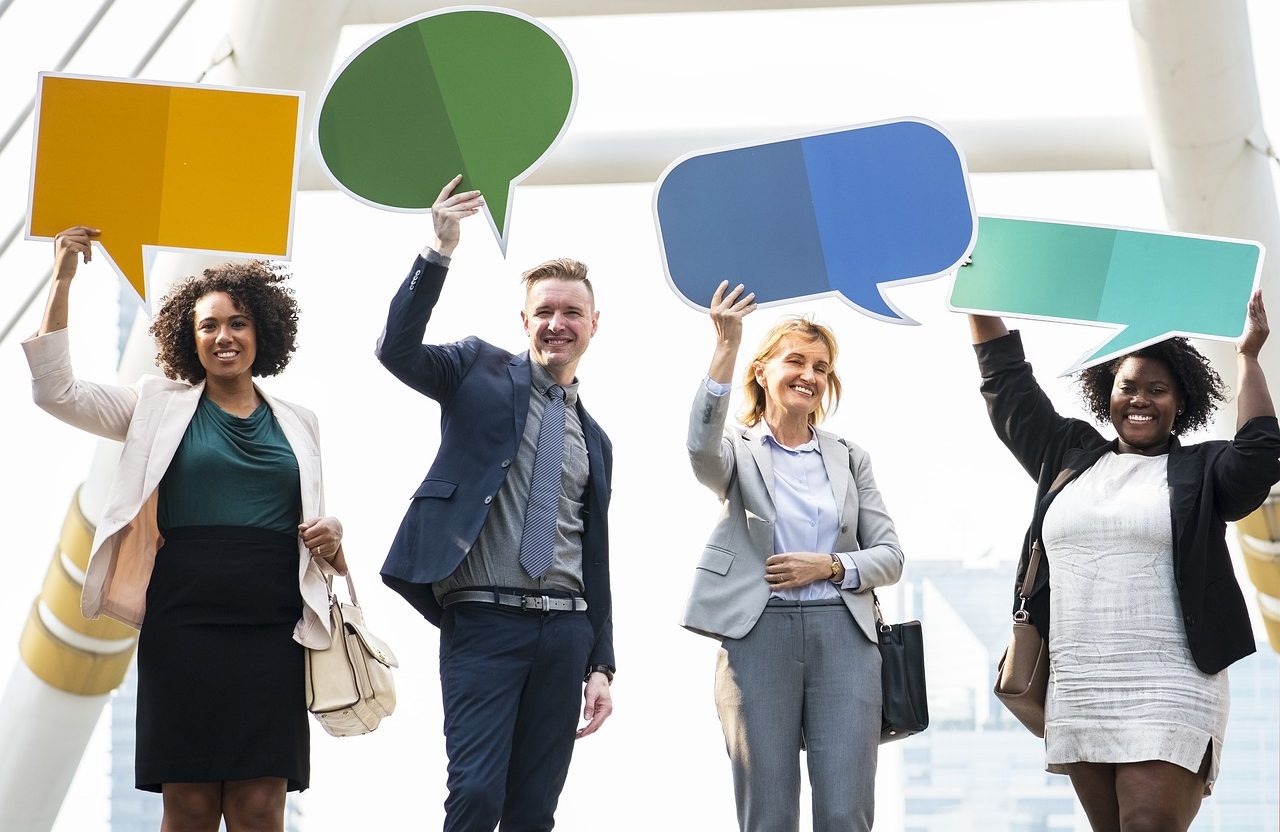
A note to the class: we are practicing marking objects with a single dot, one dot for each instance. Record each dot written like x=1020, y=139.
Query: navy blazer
x=1209, y=484
x=483, y=393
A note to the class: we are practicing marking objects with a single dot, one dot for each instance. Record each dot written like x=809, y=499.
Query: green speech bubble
x=482, y=92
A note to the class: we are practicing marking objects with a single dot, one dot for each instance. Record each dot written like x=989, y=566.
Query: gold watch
x=837, y=570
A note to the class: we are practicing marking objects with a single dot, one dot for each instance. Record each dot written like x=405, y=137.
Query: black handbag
x=904, y=708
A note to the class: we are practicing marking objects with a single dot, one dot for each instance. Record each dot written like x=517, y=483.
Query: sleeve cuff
x=852, y=580
x=432, y=256
x=715, y=388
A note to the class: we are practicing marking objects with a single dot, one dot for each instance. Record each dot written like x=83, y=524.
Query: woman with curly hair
x=1135, y=592
x=213, y=539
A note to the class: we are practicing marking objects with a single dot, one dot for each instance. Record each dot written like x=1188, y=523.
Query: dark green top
x=230, y=471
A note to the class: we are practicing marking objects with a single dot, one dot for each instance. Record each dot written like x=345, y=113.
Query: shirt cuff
x=432, y=256
x=715, y=388
x=851, y=578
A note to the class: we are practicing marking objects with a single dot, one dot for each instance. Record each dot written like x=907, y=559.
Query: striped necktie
x=538, y=543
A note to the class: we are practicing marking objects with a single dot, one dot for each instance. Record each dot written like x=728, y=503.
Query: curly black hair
x=1198, y=383
x=256, y=289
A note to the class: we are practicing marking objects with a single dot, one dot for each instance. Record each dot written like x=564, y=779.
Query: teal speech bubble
x=482, y=92
x=1153, y=285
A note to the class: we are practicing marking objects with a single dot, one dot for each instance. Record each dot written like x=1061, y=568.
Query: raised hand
x=449, y=210
x=67, y=244
x=727, y=311
x=1256, y=329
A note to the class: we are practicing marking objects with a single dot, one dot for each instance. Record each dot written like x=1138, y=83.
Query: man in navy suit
x=505, y=544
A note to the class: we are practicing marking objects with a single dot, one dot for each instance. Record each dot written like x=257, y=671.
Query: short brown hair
x=561, y=268
x=256, y=290
x=754, y=394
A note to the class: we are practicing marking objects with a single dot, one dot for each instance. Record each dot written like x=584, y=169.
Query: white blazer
x=729, y=591
x=150, y=417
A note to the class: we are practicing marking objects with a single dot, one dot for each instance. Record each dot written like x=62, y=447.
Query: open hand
x=448, y=210
x=728, y=310
x=1256, y=329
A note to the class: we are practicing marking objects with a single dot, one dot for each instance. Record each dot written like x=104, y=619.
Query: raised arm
x=1022, y=415
x=727, y=312
x=431, y=370
x=709, y=452
x=76, y=241
x=101, y=409
x=1253, y=399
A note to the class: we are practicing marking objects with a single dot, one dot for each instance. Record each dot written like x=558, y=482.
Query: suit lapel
x=763, y=456
x=521, y=381
x=171, y=426
x=835, y=458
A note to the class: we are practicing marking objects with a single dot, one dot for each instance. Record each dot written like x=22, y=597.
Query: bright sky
x=911, y=395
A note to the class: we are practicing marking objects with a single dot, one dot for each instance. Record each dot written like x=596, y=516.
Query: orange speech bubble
x=170, y=166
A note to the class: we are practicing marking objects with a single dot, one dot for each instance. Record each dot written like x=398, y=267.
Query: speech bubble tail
x=131, y=261
x=500, y=230
x=1127, y=340
x=877, y=305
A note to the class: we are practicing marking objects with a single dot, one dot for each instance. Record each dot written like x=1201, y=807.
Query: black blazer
x=1209, y=484
x=483, y=393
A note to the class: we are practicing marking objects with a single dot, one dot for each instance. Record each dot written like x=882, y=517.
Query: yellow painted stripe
x=68, y=668
x=76, y=537
x=61, y=594
x=1272, y=622
x=1263, y=569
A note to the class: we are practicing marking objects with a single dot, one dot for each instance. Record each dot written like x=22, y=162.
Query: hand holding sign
x=845, y=212
x=164, y=165
x=1153, y=285
x=487, y=92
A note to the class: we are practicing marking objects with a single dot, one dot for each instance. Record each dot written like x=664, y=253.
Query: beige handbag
x=1022, y=676
x=349, y=684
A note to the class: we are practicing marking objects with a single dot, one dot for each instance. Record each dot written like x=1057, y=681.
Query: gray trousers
x=805, y=677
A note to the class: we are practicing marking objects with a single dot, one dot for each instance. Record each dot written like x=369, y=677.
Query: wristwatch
x=599, y=668
x=837, y=570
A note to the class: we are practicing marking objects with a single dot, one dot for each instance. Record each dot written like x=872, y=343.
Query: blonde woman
x=784, y=581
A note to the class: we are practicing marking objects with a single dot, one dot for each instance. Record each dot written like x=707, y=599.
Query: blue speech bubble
x=845, y=212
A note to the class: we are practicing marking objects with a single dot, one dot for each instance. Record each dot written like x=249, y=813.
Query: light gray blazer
x=729, y=591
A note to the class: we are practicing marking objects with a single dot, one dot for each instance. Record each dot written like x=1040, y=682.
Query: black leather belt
x=536, y=603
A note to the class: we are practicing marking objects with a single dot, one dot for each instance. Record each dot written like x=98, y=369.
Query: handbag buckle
x=1021, y=616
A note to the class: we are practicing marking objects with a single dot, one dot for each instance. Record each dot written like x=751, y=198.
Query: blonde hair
x=754, y=394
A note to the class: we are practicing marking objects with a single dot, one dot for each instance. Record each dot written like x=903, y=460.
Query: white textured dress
x=1123, y=686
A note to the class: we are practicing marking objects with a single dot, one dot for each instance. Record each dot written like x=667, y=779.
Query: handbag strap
x=1033, y=566
x=351, y=588
x=1021, y=615
x=880, y=625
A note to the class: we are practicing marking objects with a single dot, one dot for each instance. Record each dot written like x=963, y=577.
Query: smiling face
x=226, y=339
x=559, y=318
x=1145, y=400
x=794, y=377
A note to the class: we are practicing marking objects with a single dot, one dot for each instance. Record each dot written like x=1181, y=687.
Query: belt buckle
x=538, y=603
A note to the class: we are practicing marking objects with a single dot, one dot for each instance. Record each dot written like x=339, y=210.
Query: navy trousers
x=512, y=689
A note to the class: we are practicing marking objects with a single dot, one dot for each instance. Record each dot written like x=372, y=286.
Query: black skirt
x=220, y=682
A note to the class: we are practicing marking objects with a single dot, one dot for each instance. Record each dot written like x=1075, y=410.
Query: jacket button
x=844, y=529
x=488, y=499
x=506, y=463
x=1190, y=619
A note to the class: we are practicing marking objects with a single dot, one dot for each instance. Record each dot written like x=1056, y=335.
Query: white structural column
x=48, y=712
x=1210, y=151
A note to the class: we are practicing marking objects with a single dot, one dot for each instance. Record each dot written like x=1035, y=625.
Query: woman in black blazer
x=1136, y=594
